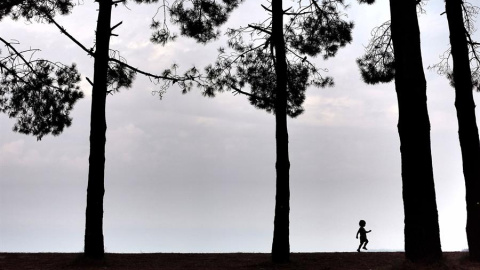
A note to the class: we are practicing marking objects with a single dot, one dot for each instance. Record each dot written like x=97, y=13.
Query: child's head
x=362, y=223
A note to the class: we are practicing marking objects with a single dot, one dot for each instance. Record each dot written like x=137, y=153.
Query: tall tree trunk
x=422, y=234
x=94, y=247
x=467, y=124
x=281, y=243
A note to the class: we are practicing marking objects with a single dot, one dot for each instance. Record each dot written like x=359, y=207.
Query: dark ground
x=165, y=261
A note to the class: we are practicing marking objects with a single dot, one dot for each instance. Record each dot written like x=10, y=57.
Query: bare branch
x=63, y=31
x=116, y=25
x=267, y=9
x=89, y=81
x=117, y=2
x=259, y=29
x=27, y=63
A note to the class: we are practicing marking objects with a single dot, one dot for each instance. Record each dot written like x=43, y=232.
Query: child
x=363, y=235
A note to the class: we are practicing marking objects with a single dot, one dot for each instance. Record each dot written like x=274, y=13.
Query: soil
x=175, y=261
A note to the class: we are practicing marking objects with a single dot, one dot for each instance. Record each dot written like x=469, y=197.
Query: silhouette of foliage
x=31, y=9
x=38, y=93
x=444, y=67
x=120, y=74
x=111, y=72
x=314, y=28
x=366, y=1
x=198, y=19
x=369, y=2
x=322, y=31
x=377, y=64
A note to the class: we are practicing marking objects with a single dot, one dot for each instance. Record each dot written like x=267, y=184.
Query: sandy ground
x=165, y=261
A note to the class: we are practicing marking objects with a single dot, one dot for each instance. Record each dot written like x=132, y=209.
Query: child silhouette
x=363, y=235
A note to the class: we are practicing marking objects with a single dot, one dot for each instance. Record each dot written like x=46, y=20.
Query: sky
x=187, y=173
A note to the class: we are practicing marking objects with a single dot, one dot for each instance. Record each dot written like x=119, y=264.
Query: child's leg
x=361, y=243
x=365, y=245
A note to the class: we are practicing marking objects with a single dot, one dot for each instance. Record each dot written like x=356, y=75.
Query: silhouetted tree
x=38, y=93
x=467, y=125
x=274, y=64
x=394, y=53
x=114, y=73
x=464, y=77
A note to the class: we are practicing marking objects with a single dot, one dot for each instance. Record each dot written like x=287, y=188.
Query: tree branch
x=17, y=53
x=116, y=25
x=13, y=73
x=174, y=79
x=259, y=29
x=264, y=7
x=91, y=53
x=63, y=31
x=117, y=2
x=240, y=91
x=89, y=81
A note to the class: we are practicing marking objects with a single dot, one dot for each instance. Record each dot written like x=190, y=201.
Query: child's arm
x=368, y=231
x=358, y=233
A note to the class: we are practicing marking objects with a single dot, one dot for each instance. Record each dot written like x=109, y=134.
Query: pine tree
x=275, y=65
x=464, y=77
x=394, y=53
x=198, y=20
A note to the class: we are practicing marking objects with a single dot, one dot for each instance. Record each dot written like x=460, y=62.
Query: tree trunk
x=422, y=234
x=94, y=247
x=281, y=243
x=467, y=124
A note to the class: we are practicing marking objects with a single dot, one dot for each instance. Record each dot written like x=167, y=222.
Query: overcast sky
x=194, y=174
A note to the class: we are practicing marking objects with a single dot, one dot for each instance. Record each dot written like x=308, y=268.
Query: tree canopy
x=38, y=93
x=313, y=28
x=444, y=67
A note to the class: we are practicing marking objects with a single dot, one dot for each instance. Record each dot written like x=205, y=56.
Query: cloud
x=13, y=148
x=15, y=153
x=138, y=45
